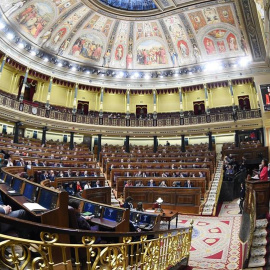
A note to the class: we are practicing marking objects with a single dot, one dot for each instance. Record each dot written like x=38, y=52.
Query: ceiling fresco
x=73, y=31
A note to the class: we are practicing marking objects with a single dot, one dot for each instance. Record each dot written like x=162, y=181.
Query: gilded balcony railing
x=149, y=250
x=94, y=120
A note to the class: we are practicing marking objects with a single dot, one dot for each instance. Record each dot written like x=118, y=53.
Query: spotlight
x=212, y=66
x=136, y=75
x=73, y=68
x=2, y=25
x=120, y=75
x=59, y=64
x=87, y=72
x=147, y=76
x=21, y=46
x=10, y=36
x=45, y=59
x=244, y=61
x=33, y=53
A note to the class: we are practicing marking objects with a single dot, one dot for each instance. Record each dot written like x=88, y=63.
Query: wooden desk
x=103, y=222
x=101, y=195
x=183, y=200
x=167, y=215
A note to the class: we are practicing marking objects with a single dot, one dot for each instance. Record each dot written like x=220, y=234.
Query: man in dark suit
x=68, y=173
x=52, y=176
x=188, y=184
x=151, y=183
x=43, y=176
x=20, y=163
x=35, y=163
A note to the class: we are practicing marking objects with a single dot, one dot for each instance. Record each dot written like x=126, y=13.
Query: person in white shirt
x=10, y=163
x=87, y=185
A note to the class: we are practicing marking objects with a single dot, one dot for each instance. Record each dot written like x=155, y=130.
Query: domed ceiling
x=109, y=33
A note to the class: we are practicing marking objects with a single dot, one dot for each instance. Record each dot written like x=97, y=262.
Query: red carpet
x=215, y=243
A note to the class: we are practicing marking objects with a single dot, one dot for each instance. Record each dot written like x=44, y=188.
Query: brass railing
x=152, y=250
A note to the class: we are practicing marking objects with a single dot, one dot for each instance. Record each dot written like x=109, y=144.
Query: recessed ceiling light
x=10, y=36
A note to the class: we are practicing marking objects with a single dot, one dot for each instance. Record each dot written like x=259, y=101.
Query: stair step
x=259, y=241
x=258, y=261
x=258, y=251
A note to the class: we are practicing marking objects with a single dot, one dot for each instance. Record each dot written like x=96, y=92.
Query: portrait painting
x=225, y=14
x=119, y=52
x=88, y=46
x=92, y=22
x=221, y=46
x=232, y=42
x=107, y=27
x=183, y=48
x=34, y=18
x=59, y=35
x=175, y=28
x=209, y=46
x=63, y=4
x=211, y=15
x=217, y=33
x=197, y=19
x=151, y=52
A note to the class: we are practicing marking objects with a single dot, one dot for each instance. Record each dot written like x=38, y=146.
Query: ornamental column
x=210, y=143
x=181, y=102
x=155, y=107
x=128, y=108
x=233, y=101
x=24, y=85
x=155, y=144
x=74, y=109
x=99, y=146
x=127, y=144
x=101, y=106
x=2, y=65
x=183, y=145
x=16, y=132
x=44, y=131
x=206, y=98
x=71, y=143
x=47, y=106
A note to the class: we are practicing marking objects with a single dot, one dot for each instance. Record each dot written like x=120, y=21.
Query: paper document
x=34, y=206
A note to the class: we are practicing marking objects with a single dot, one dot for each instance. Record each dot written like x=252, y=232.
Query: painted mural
x=72, y=30
x=88, y=46
x=150, y=53
x=34, y=18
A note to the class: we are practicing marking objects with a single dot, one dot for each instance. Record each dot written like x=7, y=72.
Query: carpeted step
x=258, y=251
x=258, y=261
x=260, y=232
x=259, y=241
x=261, y=223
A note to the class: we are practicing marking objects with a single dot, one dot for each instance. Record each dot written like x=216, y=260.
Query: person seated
x=20, y=163
x=77, y=174
x=139, y=207
x=139, y=184
x=61, y=174
x=83, y=221
x=78, y=187
x=151, y=183
x=51, y=176
x=43, y=176
x=9, y=163
x=35, y=163
x=201, y=174
x=229, y=170
x=264, y=170
x=70, y=189
x=188, y=184
x=98, y=185
x=128, y=203
x=129, y=184
x=162, y=184
x=139, y=174
x=87, y=185
x=85, y=174
x=7, y=210
x=68, y=173
x=164, y=175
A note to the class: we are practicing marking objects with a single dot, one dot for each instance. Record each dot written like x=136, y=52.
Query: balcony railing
x=94, y=120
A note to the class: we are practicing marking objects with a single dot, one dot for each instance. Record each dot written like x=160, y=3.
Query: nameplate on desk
x=34, y=207
x=2, y=181
x=150, y=211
